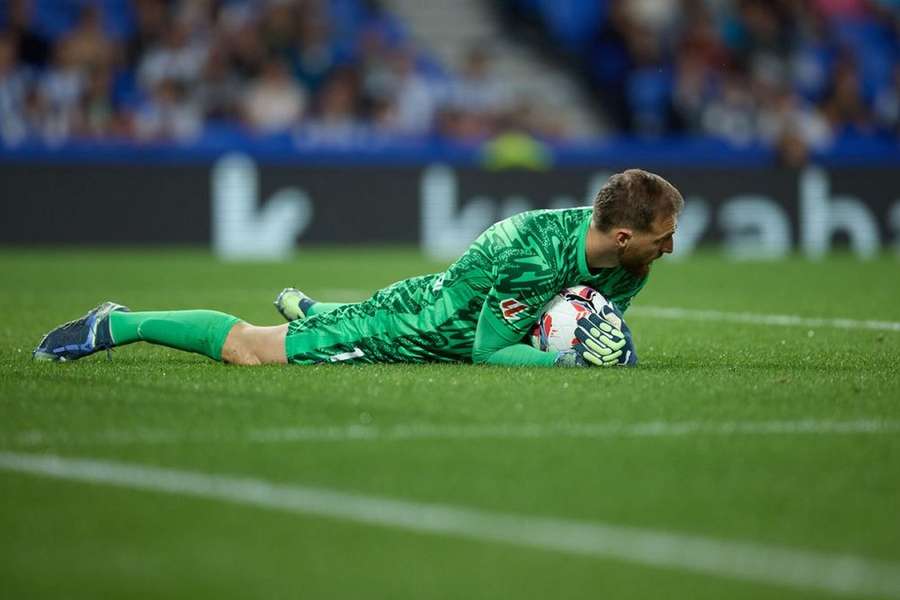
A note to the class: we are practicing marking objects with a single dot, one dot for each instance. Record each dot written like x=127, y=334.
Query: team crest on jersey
x=511, y=307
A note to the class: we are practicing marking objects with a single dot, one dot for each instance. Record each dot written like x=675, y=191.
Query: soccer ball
x=555, y=330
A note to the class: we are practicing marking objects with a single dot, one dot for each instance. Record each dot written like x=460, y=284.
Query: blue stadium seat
x=572, y=22
x=649, y=91
x=54, y=18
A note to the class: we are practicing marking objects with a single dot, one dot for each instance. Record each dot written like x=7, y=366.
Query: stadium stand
x=789, y=77
x=334, y=71
x=795, y=75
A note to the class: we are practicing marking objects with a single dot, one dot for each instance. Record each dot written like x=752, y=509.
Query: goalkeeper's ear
x=622, y=236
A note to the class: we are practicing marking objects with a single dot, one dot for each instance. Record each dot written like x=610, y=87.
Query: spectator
x=792, y=150
x=787, y=114
x=694, y=86
x=87, y=46
x=410, y=97
x=13, y=91
x=274, y=102
x=336, y=117
x=168, y=115
x=844, y=106
x=477, y=91
x=887, y=105
x=218, y=92
x=842, y=9
x=525, y=119
x=375, y=66
x=33, y=49
x=150, y=27
x=699, y=61
x=178, y=57
x=97, y=116
x=59, y=95
x=279, y=27
x=312, y=57
x=648, y=88
x=731, y=116
x=246, y=51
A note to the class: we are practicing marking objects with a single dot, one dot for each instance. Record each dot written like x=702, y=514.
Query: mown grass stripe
x=753, y=562
x=428, y=431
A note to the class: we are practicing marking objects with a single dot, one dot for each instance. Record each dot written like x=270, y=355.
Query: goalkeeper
x=478, y=310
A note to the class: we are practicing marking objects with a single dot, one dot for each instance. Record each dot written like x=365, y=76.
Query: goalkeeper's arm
x=600, y=344
x=496, y=344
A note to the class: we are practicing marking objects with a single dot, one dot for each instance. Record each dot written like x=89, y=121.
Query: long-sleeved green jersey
x=478, y=310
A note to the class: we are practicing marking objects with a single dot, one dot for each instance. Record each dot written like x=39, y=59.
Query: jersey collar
x=583, y=269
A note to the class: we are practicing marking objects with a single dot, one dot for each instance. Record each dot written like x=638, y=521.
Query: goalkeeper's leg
x=253, y=345
x=214, y=334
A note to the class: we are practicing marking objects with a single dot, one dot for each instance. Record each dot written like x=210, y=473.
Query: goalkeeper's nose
x=667, y=247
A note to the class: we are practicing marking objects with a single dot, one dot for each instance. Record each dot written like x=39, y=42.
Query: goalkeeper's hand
x=599, y=344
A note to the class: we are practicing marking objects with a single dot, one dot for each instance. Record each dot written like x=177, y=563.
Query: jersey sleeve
x=524, y=282
x=494, y=345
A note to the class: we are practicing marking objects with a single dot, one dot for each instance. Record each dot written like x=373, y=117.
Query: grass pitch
x=739, y=437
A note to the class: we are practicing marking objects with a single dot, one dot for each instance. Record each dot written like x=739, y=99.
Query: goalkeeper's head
x=638, y=211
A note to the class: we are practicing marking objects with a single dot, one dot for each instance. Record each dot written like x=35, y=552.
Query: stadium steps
x=449, y=29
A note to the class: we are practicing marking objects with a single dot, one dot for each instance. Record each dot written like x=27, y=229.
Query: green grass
x=835, y=493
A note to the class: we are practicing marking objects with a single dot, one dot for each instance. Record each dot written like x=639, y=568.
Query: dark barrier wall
x=247, y=210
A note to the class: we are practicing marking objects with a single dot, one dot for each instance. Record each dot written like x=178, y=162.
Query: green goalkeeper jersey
x=479, y=310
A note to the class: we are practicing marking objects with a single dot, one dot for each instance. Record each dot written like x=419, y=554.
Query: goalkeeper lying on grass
x=478, y=310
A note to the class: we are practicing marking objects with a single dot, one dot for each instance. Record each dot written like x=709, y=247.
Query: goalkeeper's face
x=641, y=248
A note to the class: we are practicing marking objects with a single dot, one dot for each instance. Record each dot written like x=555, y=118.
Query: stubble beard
x=633, y=264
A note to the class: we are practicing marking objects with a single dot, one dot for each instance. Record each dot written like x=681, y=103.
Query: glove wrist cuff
x=567, y=358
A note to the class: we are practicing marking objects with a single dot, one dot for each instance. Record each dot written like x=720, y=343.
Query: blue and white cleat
x=293, y=304
x=80, y=338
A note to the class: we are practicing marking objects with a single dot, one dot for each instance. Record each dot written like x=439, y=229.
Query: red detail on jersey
x=511, y=307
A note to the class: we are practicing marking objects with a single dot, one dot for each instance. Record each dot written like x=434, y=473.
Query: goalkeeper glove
x=599, y=344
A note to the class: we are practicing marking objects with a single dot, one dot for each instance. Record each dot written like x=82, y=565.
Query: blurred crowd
x=331, y=71
x=795, y=74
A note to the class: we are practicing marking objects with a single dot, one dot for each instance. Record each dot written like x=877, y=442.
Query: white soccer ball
x=555, y=330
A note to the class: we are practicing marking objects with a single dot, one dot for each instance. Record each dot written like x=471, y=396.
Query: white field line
x=686, y=314
x=753, y=562
x=425, y=431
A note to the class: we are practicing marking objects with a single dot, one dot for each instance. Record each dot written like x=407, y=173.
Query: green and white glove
x=599, y=343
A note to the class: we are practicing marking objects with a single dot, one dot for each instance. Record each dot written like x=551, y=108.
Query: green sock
x=322, y=307
x=200, y=331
